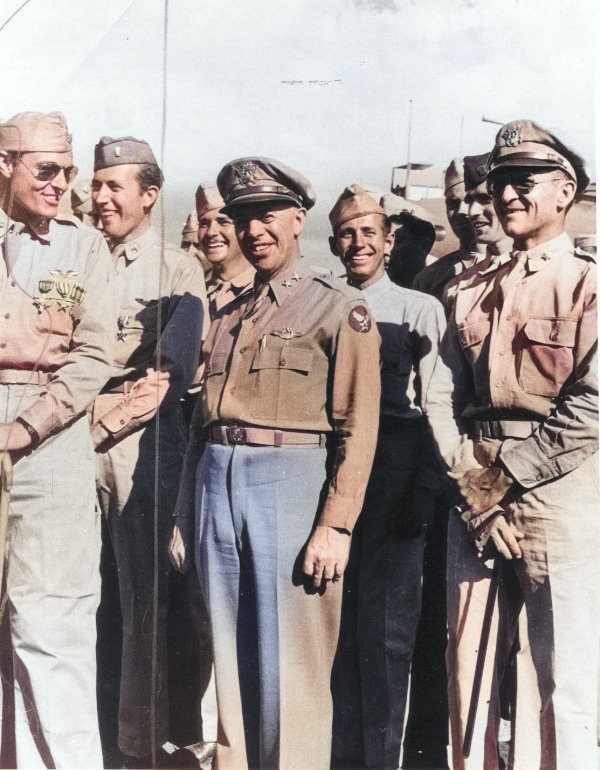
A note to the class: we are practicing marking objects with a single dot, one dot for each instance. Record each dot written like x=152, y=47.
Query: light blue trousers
x=274, y=637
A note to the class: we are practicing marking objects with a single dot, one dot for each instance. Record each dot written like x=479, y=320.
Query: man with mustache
x=522, y=345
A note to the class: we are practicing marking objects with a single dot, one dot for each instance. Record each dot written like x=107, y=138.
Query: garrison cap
x=189, y=234
x=475, y=169
x=81, y=198
x=354, y=202
x=253, y=180
x=454, y=175
x=36, y=132
x=524, y=143
x=122, y=151
x=208, y=198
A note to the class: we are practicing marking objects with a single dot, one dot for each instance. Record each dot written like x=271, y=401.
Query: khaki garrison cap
x=208, y=198
x=122, y=151
x=524, y=143
x=354, y=202
x=254, y=180
x=189, y=234
x=81, y=197
x=454, y=175
x=36, y=132
x=475, y=169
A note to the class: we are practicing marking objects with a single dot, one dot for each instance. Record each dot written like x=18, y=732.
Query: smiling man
x=231, y=275
x=522, y=345
x=54, y=357
x=382, y=592
x=286, y=432
x=139, y=429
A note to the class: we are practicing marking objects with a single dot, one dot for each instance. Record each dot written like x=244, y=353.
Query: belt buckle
x=236, y=435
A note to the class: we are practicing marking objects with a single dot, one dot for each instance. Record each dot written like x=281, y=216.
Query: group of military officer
x=336, y=423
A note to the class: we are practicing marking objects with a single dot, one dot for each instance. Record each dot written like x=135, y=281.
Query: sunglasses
x=46, y=172
x=522, y=182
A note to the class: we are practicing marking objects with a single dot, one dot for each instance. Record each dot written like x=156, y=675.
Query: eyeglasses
x=522, y=182
x=46, y=172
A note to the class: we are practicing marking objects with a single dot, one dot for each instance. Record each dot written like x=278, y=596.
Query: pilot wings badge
x=359, y=319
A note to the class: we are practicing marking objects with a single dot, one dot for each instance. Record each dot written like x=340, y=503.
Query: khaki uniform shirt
x=54, y=306
x=160, y=299
x=221, y=293
x=523, y=340
x=305, y=356
x=433, y=278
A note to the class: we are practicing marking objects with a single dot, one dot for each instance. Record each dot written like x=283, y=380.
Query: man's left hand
x=326, y=554
x=482, y=488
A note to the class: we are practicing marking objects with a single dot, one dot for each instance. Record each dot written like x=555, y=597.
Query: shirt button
x=232, y=389
x=554, y=336
x=7, y=315
x=242, y=351
x=2, y=345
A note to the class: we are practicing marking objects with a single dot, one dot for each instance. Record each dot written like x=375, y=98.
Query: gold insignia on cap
x=511, y=137
x=248, y=173
x=118, y=151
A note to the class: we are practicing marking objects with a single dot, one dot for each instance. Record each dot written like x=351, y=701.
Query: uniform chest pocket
x=285, y=357
x=284, y=382
x=545, y=358
x=215, y=365
x=472, y=337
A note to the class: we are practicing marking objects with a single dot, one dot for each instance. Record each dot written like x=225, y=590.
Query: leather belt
x=503, y=428
x=235, y=435
x=24, y=377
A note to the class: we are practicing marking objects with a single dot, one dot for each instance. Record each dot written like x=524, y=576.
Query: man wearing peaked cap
x=522, y=345
x=382, y=592
x=285, y=430
x=54, y=357
x=434, y=277
x=156, y=332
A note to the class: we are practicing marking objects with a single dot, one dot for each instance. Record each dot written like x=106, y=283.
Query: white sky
x=101, y=63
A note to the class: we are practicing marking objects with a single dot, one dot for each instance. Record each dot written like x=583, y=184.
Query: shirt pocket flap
x=299, y=359
x=552, y=331
x=216, y=365
x=471, y=334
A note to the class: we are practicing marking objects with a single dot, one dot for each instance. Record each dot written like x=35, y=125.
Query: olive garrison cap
x=254, y=180
x=475, y=170
x=454, y=175
x=208, y=198
x=524, y=143
x=123, y=150
x=36, y=132
x=354, y=202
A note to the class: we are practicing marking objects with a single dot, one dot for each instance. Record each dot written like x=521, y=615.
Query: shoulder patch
x=359, y=319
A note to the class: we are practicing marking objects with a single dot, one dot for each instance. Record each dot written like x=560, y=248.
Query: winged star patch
x=359, y=319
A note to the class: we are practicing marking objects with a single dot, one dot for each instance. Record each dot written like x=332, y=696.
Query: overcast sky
x=323, y=85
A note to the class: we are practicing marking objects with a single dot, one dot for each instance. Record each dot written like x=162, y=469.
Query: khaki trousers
x=53, y=588
x=551, y=598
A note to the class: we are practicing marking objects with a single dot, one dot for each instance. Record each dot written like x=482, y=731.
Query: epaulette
x=582, y=254
x=338, y=284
